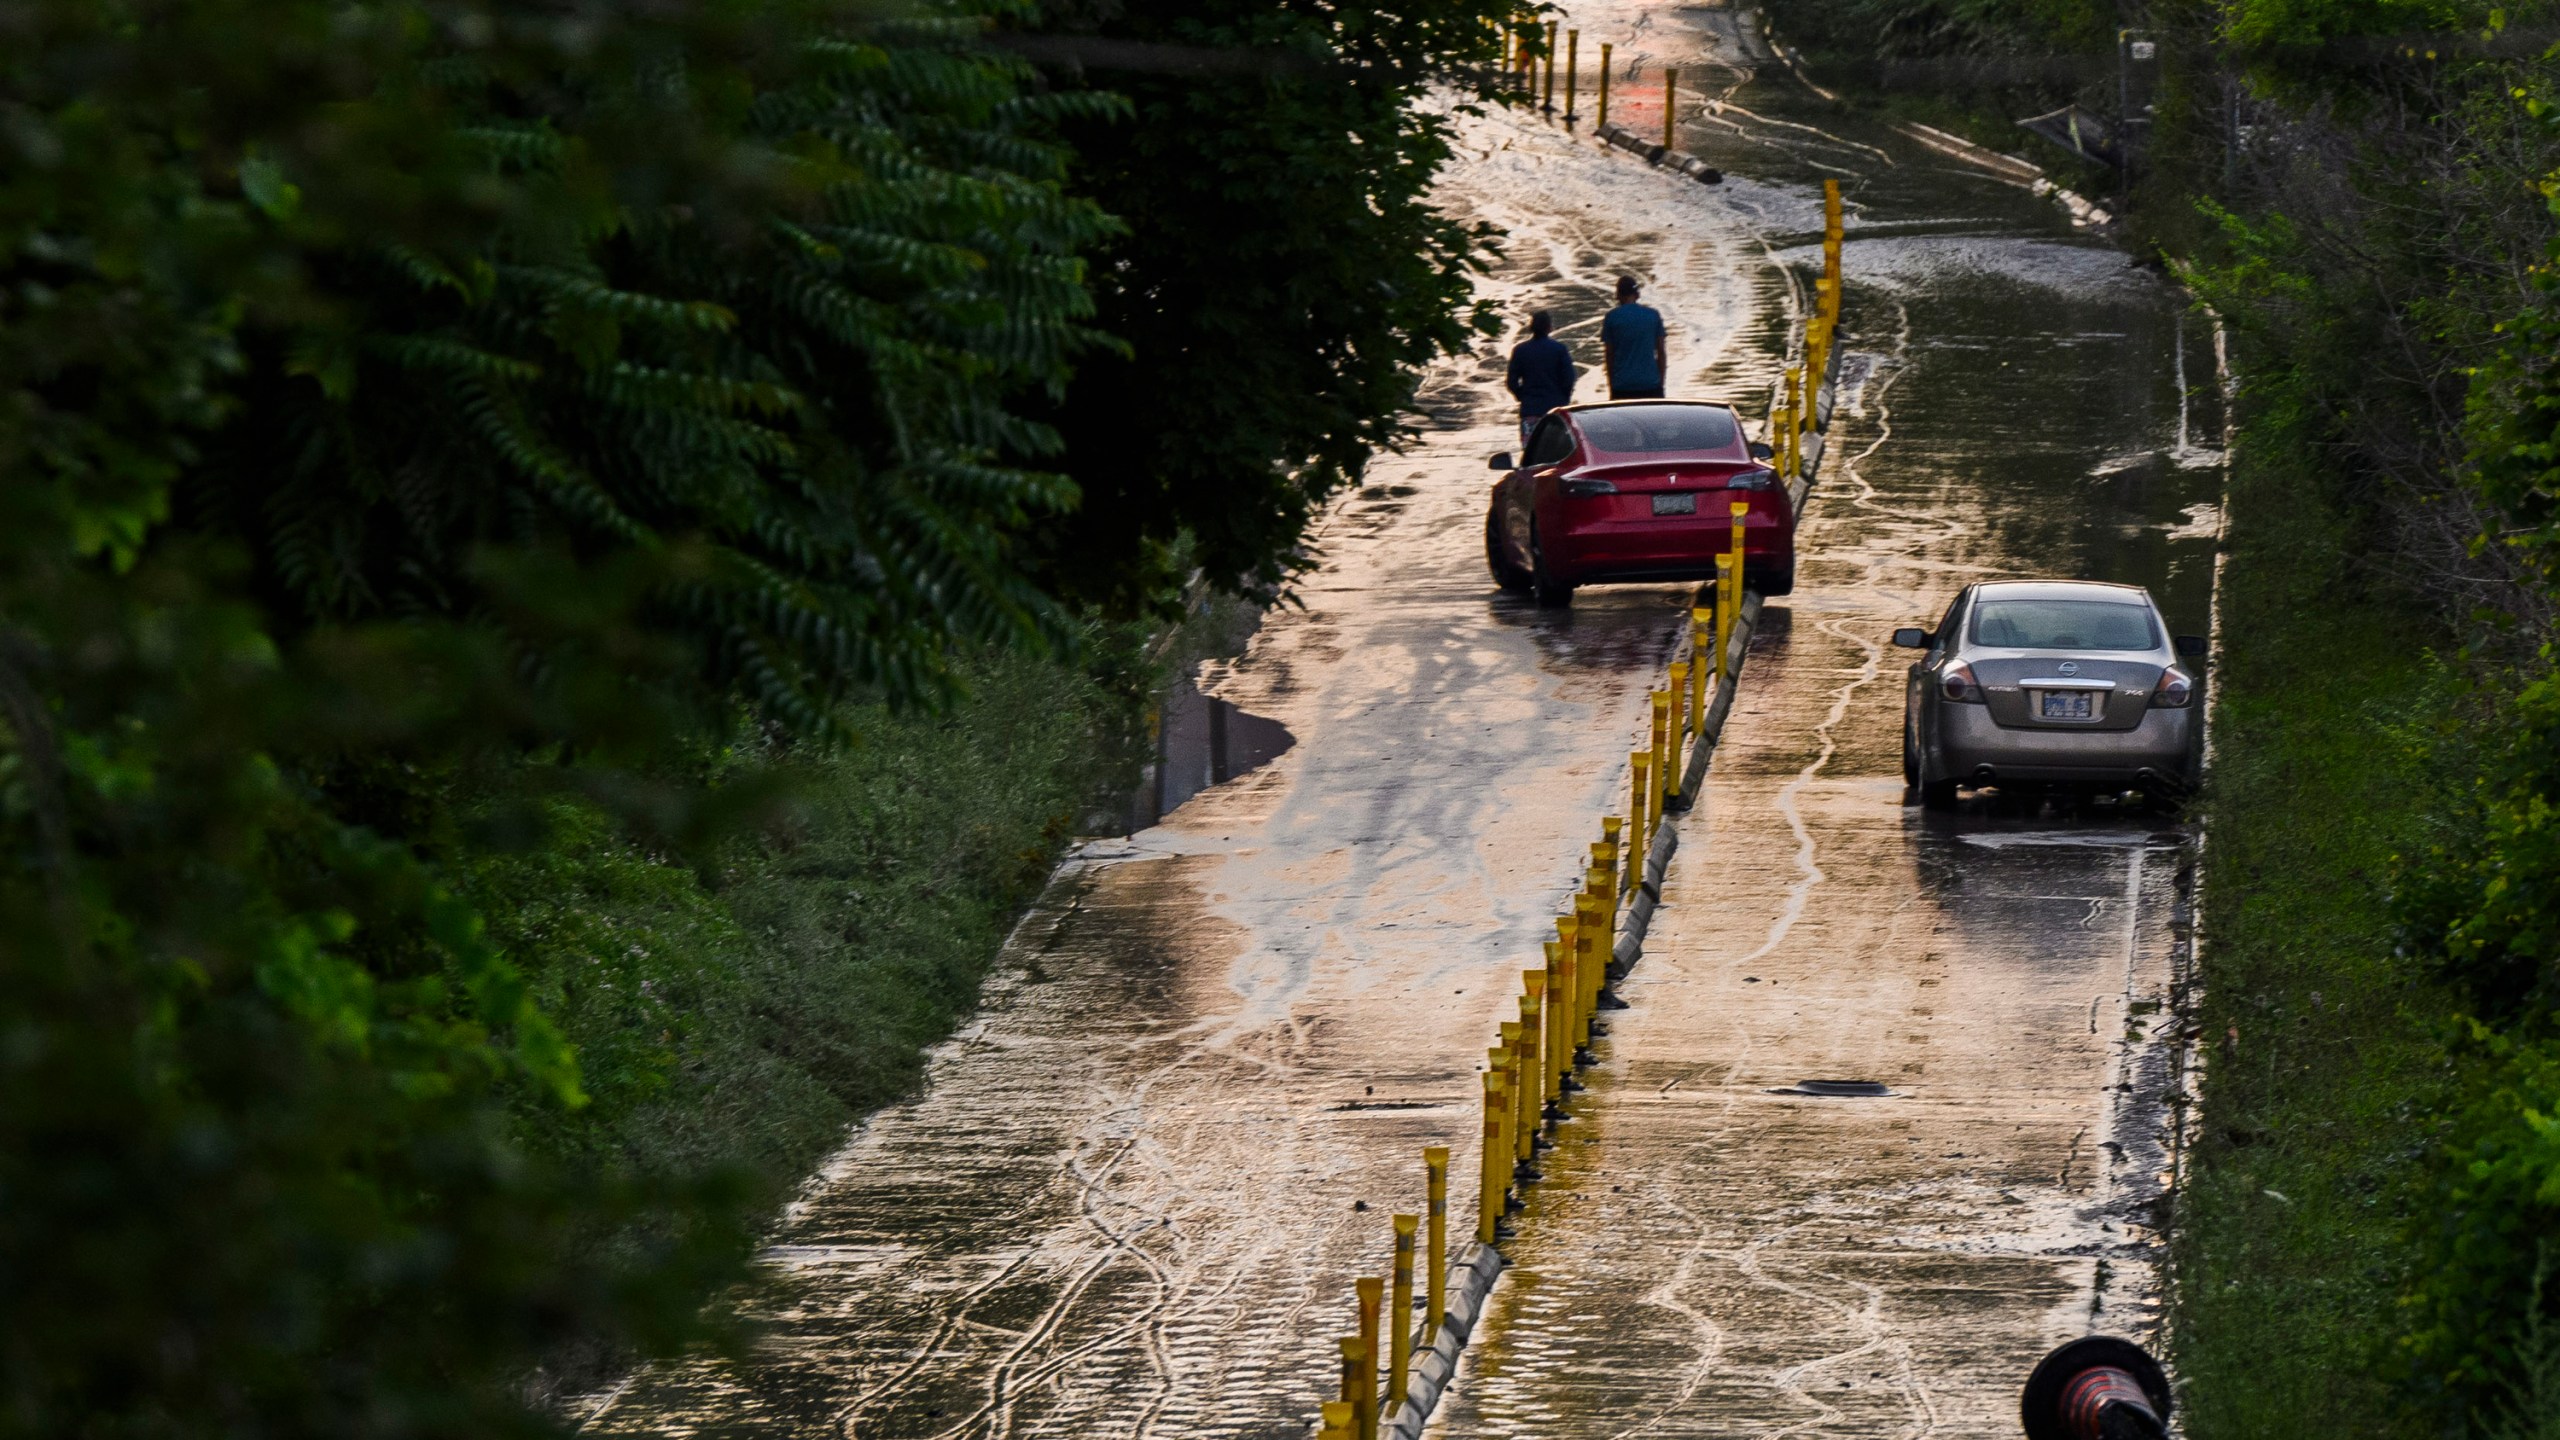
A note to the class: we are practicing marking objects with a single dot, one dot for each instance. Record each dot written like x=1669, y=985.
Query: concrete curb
x=1470, y=1285
x=1472, y=1276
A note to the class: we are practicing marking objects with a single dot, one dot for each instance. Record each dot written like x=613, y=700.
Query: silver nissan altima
x=2051, y=681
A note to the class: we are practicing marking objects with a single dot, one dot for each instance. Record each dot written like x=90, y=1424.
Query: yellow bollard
x=1506, y=1058
x=1568, y=1036
x=1559, y=1020
x=1728, y=586
x=1596, y=888
x=1560, y=1036
x=1641, y=764
x=1338, y=1421
x=1670, y=93
x=1533, y=1053
x=1351, y=1379
x=1795, y=421
x=1400, y=1311
x=1830, y=206
x=1604, y=87
x=1665, y=784
x=1491, y=1182
x=1525, y=1060
x=1548, y=104
x=1435, y=1275
x=1741, y=513
x=1603, y=941
x=1613, y=829
x=1702, y=663
x=1371, y=1290
x=1591, y=912
x=1679, y=731
x=1572, y=70
x=1567, y=932
x=1593, y=938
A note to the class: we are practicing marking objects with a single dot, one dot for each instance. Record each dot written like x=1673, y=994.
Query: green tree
x=394, y=391
x=1282, y=279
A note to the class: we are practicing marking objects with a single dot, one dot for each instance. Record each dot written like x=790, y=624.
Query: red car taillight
x=1588, y=487
x=1959, y=685
x=2176, y=689
x=1754, y=480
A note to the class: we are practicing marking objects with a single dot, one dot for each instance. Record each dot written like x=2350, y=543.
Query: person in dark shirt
x=1631, y=346
x=1542, y=373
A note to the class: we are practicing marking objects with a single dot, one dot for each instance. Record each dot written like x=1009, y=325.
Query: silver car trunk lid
x=2119, y=689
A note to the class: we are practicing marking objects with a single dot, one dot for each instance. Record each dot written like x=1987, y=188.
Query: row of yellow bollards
x=1529, y=1072
x=1522, y=66
x=1795, y=412
x=1368, y=1393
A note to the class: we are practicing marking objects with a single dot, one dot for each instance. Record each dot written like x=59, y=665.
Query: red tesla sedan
x=1636, y=490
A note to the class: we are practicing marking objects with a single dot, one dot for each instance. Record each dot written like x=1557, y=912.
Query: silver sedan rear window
x=2064, y=625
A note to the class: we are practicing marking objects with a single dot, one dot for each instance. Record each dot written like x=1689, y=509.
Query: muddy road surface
x=1134, y=1192
x=1716, y=1253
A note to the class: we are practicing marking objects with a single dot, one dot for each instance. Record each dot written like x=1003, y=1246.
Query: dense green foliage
x=732, y=1016
x=464, y=461
x=2322, y=1067
x=396, y=396
x=2361, y=190
x=1278, y=311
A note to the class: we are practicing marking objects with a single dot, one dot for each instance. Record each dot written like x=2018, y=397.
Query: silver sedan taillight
x=2176, y=688
x=1959, y=685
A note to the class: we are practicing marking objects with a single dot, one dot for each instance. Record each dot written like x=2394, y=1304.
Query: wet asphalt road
x=1710, y=1256
x=1127, y=1202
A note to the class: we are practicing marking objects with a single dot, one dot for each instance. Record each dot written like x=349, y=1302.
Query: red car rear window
x=1648, y=429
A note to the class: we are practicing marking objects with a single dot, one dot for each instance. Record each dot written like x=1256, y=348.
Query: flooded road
x=1715, y=1254
x=1133, y=1195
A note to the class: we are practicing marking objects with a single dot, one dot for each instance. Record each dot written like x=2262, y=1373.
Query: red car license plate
x=1685, y=503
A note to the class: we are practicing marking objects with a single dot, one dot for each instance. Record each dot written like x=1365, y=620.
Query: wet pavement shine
x=1713, y=1254
x=1133, y=1193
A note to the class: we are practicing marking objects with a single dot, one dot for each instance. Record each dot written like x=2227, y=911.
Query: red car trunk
x=1660, y=519
x=1638, y=491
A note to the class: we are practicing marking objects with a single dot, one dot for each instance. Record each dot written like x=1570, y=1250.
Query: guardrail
x=1529, y=1073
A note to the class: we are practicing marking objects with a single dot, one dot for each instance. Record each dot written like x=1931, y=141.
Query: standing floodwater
x=1717, y=1252
x=1130, y=1200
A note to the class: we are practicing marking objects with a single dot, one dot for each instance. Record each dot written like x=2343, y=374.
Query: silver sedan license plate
x=2066, y=704
x=1681, y=504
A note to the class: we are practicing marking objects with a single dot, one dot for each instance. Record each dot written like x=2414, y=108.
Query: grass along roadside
x=2324, y=1067
x=735, y=1019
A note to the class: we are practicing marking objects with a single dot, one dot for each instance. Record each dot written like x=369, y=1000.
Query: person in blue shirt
x=1631, y=346
x=1542, y=373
